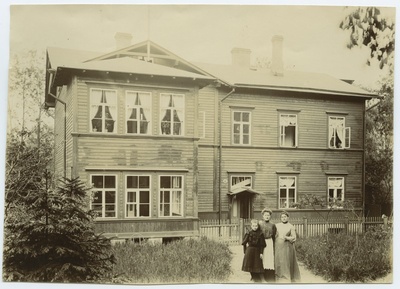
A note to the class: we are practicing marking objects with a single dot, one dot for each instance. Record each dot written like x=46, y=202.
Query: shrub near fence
x=231, y=231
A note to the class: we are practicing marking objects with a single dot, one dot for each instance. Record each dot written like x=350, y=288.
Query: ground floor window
x=335, y=191
x=104, y=195
x=137, y=196
x=287, y=191
x=171, y=196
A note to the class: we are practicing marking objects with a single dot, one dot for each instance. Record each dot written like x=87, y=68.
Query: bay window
x=171, y=196
x=104, y=195
x=103, y=110
x=138, y=112
x=172, y=107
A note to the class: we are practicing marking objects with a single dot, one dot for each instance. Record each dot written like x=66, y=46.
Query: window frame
x=181, y=190
x=231, y=176
x=346, y=133
x=103, y=190
x=161, y=109
x=115, y=118
x=137, y=192
x=281, y=132
x=287, y=191
x=335, y=192
x=137, y=107
x=241, y=123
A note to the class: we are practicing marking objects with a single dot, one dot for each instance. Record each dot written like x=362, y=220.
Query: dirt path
x=238, y=276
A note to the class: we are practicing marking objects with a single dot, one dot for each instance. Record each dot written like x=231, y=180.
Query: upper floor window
x=287, y=191
x=104, y=198
x=288, y=130
x=172, y=114
x=335, y=191
x=103, y=110
x=171, y=196
x=241, y=127
x=339, y=134
x=138, y=112
x=137, y=196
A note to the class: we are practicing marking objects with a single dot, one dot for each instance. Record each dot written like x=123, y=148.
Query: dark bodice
x=268, y=229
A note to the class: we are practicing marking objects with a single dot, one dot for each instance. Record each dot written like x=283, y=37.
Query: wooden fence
x=231, y=231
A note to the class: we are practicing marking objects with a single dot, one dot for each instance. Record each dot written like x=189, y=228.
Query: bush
x=183, y=261
x=338, y=259
x=54, y=239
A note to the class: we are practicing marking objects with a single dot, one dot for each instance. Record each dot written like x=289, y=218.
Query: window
x=104, y=196
x=240, y=182
x=137, y=196
x=287, y=191
x=335, y=191
x=288, y=130
x=138, y=112
x=171, y=196
x=172, y=114
x=241, y=127
x=339, y=135
x=103, y=110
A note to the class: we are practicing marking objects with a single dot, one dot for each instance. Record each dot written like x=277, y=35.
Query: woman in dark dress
x=269, y=231
x=253, y=246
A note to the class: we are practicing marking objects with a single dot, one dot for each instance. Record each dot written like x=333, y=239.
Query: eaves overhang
x=307, y=90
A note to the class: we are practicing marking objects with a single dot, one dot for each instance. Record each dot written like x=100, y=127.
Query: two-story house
x=163, y=142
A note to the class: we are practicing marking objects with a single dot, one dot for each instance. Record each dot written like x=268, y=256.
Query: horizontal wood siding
x=67, y=95
x=149, y=228
x=312, y=118
x=95, y=153
x=71, y=117
x=84, y=86
x=208, y=108
x=311, y=168
x=206, y=179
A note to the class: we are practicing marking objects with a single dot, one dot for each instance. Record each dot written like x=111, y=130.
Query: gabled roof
x=290, y=81
x=149, y=50
x=61, y=63
x=149, y=58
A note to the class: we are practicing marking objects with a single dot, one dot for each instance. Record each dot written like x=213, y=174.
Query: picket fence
x=231, y=231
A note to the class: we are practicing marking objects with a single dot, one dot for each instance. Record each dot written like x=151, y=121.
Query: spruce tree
x=56, y=241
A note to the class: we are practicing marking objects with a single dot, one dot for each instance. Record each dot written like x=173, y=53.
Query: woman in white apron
x=269, y=231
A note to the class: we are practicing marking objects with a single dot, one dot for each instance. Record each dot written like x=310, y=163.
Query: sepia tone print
x=202, y=144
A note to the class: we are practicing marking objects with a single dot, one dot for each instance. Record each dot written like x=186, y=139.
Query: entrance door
x=242, y=206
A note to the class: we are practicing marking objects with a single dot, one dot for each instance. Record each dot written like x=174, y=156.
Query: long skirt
x=252, y=261
x=268, y=255
x=286, y=267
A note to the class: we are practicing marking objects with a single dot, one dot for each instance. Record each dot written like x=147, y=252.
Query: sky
x=203, y=33
x=313, y=40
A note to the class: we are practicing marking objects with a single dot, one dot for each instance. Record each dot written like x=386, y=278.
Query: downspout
x=65, y=130
x=363, y=158
x=220, y=154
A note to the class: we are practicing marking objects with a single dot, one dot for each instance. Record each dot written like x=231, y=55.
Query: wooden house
x=164, y=142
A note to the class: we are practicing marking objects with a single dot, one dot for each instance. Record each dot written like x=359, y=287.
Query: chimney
x=277, y=58
x=122, y=40
x=241, y=57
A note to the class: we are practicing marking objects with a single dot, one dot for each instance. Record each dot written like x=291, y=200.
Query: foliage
x=28, y=156
x=375, y=29
x=183, y=261
x=26, y=91
x=368, y=26
x=379, y=146
x=338, y=260
x=55, y=241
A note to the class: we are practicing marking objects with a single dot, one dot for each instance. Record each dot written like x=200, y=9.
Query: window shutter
x=347, y=137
